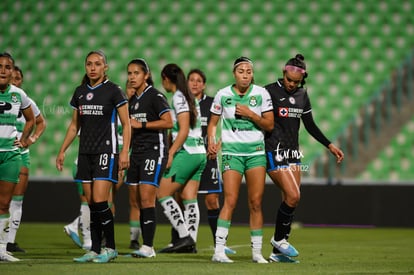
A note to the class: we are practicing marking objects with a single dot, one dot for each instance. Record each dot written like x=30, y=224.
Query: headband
x=295, y=69
x=242, y=60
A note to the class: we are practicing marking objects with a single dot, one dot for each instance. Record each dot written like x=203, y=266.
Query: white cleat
x=258, y=258
x=7, y=257
x=284, y=247
x=221, y=258
x=144, y=252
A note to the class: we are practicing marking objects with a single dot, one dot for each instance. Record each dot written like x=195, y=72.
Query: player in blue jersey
x=97, y=103
x=290, y=105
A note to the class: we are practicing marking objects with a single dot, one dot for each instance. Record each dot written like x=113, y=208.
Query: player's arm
x=28, y=127
x=40, y=126
x=126, y=135
x=213, y=145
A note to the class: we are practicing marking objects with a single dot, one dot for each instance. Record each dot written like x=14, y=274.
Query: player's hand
x=59, y=161
x=336, y=152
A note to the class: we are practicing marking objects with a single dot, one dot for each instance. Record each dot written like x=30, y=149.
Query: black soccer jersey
x=288, y=108
x=205, y=105
x=149, y=106
x=97, y=109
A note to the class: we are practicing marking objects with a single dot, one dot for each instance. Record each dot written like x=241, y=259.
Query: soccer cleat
x=284, y=247
x=258, y=258
x=13, y=247
x=166, y=249
x=221, y=258
x=183, y=244
x=88, y=257
x=229, y=251
x=280, y=258
x=107, y=255
x=134, y=244
x=144, y=252
x=7, y=257
x=73, y=235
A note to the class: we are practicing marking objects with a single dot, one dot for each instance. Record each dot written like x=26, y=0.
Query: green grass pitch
x=322, y=251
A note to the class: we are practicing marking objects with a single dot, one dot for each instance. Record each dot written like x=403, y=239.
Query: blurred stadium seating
x=351, y=48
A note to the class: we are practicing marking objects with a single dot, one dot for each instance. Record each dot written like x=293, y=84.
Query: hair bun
x=300, y=57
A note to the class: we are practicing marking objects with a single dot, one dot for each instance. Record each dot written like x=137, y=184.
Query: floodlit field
x=322, y=251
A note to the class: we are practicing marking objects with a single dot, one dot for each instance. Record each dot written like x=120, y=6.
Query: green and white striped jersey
x=12, y=101
x=194, y=144
x=239, y=135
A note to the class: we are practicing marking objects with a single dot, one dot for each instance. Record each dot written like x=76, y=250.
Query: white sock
x=134, y=230
x=256, y=242
x=16, y=210
x=192, y=218
x=221, y=237
x=173, y=212
x=85, y=222
x=4, y=223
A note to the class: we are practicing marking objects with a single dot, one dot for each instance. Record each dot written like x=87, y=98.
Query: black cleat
x=13, y=247
x=185, y=244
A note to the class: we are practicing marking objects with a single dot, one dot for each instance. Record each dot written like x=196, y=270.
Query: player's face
x=291, y=80
x=95, y=68
x=6, y=70
x=17, y=79
x=196, y=84
x=243, y=74
x=137, y=77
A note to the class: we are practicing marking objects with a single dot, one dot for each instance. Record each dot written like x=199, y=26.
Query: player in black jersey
x=290, y=104
x=150, y=120
x=97, y=102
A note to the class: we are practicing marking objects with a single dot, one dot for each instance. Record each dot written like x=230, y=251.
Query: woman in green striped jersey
x=246, y=113
x=186, y=160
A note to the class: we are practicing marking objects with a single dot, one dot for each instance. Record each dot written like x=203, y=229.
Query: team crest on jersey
x=253, y=101
x=14, y=98
x=136, y=106
x=292, y=100
x=89, y=96
x=283, y=112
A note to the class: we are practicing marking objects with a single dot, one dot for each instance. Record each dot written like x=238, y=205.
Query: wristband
x=144, y=125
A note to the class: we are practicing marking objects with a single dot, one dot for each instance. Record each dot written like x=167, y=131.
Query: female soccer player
x=150, y=119
x=16, y=204
x=12, y=101
x=245, y=110
x=97, y=102
x=186, y=160
x=290, y=104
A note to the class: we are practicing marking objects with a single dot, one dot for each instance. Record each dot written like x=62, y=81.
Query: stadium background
x=360, y=64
